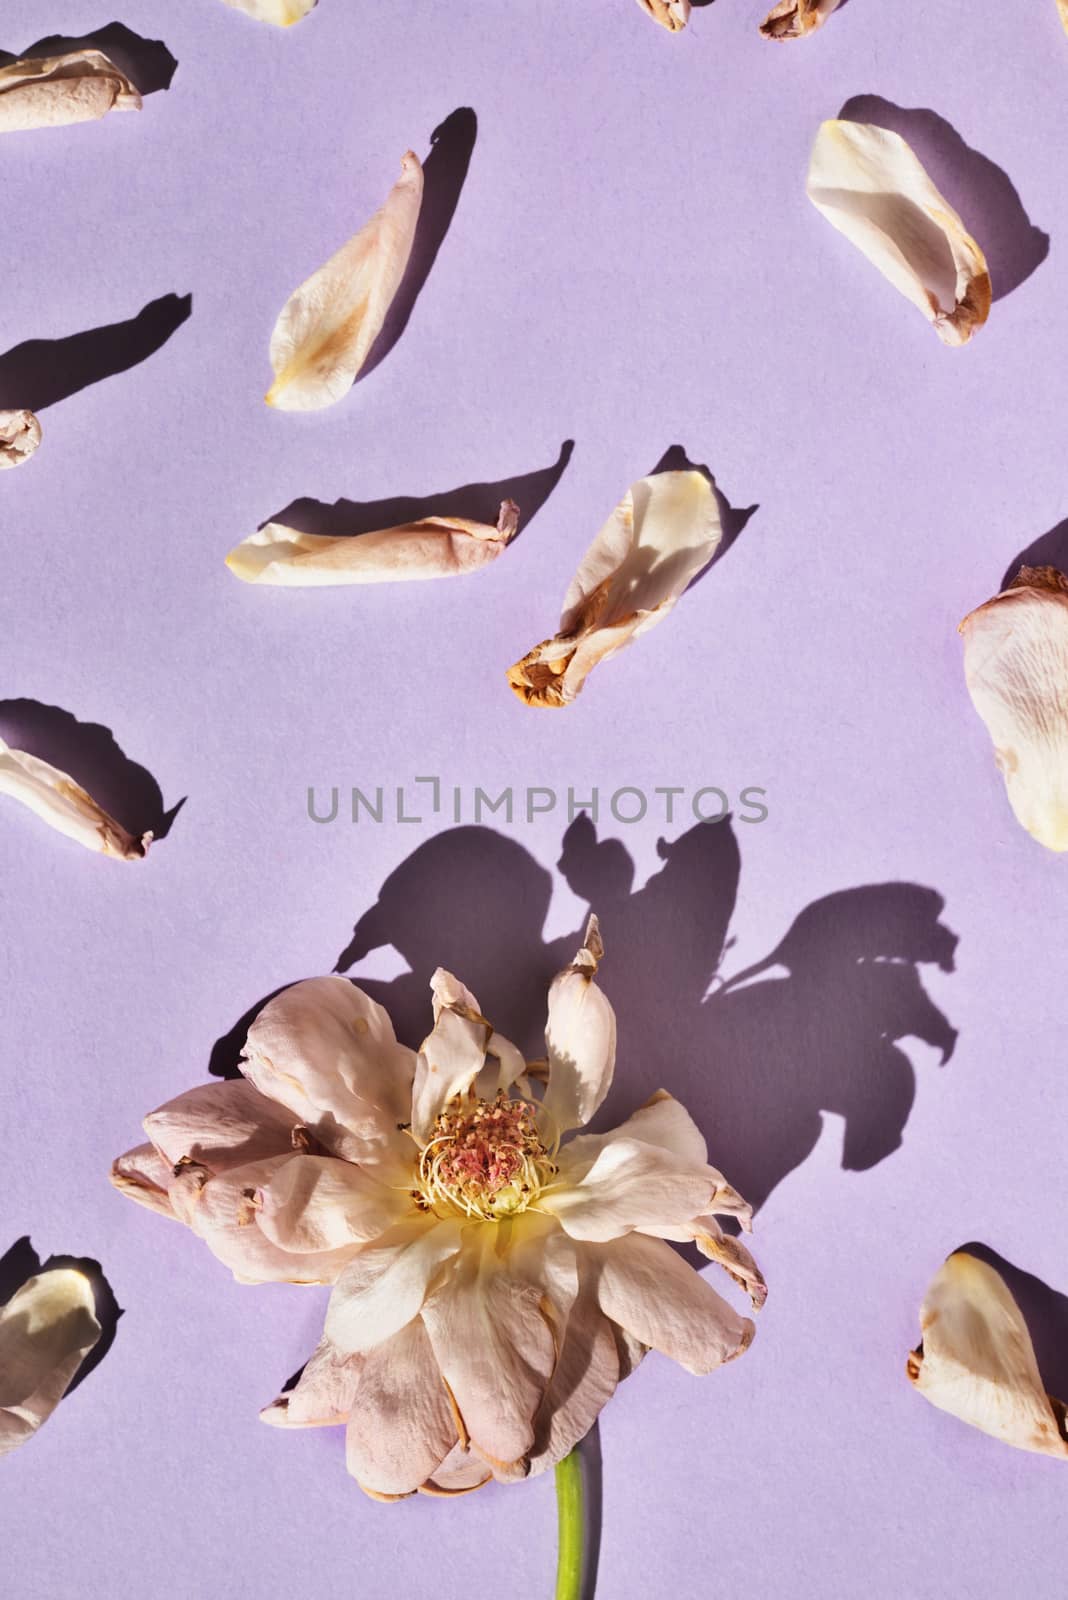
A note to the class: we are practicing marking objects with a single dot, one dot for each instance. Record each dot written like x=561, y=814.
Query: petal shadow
x=41, y=372
x=146, y=62
x=1050, y=550
x=734, y=519
x=1045, y=1311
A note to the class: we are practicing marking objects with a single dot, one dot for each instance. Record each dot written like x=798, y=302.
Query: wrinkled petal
x=722, y=1248
x=402, y=1425
x=384, y=1286
x=143, y=1175
x=504, y=1067
x=282, y=13
x=47, y=1329
x=662, y=1121
x=323, y=1393
x=328, y=1052
x=224, y=1211
x=54, y=91
x=793, y=19
x=1016, y=668
x=221, y=1125
x=65, y=806
x=461, y=1472
x=327, y=327
x=870, y=185
x=452, y=1054
x=436, y=547
x=650, y=1291
x=580, y=1037
x=671, y=14
x=20, y=434
x=629, y=1185
x=316, y=1203
x=977, y=1362
x=664, y=531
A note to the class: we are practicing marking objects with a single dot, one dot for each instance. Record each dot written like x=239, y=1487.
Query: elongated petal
x=437, y=547
x=650, y=1291
x=1016, y=668
x=326, y=330
x=726, y=1251
x=328, y=1052
x=452, y=1054
x=664, y=531
x=322, y=1395
x=671, y=14
x=662, y=1121
x=282, y=13
x=869, y=185
x=384, y=1286
x=630, y=1185
x=793, y=19
x=47, y=1329
x=402, y=1425
x=580, y=1037
x=143, y=1175
x=225, y=1211
x=65, y=806
x=317, y=1203
x=977, y=1362
x=53, y=91
x=221, y=1125
x=20, y=434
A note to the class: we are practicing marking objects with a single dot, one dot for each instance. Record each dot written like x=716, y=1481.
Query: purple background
x=632, y=263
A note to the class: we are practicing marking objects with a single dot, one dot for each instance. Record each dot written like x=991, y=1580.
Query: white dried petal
x=436, y=547
x=977, y=1361
x=57, y=90
x=20, y=434
x=65, y=806
x=664, y=531
x=47, y=1329
x=671, y=14
x=869, y=184
x=282, y=13
x=793, y=19
x=327, y=327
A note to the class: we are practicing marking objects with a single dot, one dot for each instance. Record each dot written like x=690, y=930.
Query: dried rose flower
x=283, y=13
x=435, y=547
x=57, y=90
x=977, y=1362
x=493, y=1281
x=671, y=14
x=793, y=19
x=65, y=806
x=870, y=185
x=47, y=1329
x=664, y=531
x=327, y=327
x=20, y=434
x=1016, y=668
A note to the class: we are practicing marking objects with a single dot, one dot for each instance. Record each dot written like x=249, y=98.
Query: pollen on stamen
x=487, y=1158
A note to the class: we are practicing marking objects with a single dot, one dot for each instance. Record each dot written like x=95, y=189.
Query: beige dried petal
x=65, y=806
x=977, y=1362
x=436, y=547
x=664, y=531
x=20, y=434
x=57, y=90
x=870, y=185
x=1062, y=7
x=47, y=1329
x=792, y=19
x=327, y=327
x=1016, y=668
x=283, y=13
x=671, y=14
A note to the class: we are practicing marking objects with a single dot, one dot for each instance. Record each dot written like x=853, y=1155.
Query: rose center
x=486, y=1158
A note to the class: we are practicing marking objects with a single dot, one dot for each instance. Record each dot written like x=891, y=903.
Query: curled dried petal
x=53, y=91
x=671, y=14
x=20, y=434
x=65, y=805
x=977, y=1362
x=282, y=13
x=793, y=19
x=664, y=531
x=47, y=1329
x=436, y=547
x=327, y=327
x=870, y=185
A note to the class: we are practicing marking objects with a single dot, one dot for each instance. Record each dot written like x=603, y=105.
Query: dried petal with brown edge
x=20, y=434
x=793, y=19
x=55, y=91
x=671, y=14
x=65, y=805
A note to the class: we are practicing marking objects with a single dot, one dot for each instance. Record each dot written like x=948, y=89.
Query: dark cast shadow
x=1045, y=1311
x=444, y=172
x=974, y=185
x=90, y=755
x=41, y=372
x=147, y=63
x=1050, y=550
x=479, y=502
x=734, y=519
x=21, y=1262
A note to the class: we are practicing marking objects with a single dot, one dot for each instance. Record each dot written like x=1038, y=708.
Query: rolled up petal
x=870, y=185
x=384, y=1286
x=580, y=1037
x=793, y=19
x=20, y=434
x=651, y=1292
x=54, y=91
x=731, y=1254
x=452, y=1054
x=47, y=1329
x=326, y=329
x=437, y=547
x=664, y=531
x=323, y=1393
x=143, y=1175
x=977, y=1362
x=1016, y=669
x=402, y=1425
x=630, y=1185
x=671, y=14
x=282, y=13
x=65, y=806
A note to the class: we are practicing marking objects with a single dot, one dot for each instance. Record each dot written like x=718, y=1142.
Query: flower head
x=493, y=1278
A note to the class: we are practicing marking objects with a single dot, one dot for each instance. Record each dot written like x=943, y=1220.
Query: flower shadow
x=21, y=1262
x=1049, y=550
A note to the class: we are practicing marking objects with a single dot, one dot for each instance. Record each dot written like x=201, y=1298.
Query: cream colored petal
x=1016, y=668
x=20, y=434
x=976, y=1360
x=1062, y=7
x=326, y=329
x=452, y=1054
x=662, y=1121
x=461, y=1472
x=221, y=1125
x=54, y=91
x=647, y=1288
x=664, y=531
x=580, y=1036
x=671, y=14
x=793, y=19
x=731, y=1254
x=65, y=806
x=323, y=1394
x=385, y=1284
x=143, y=1175
x=869, y=185
x=282, y=13
x=317, y=1203
x=437, y=547
x=225, y=1210
x=402, y=1424
x=47, y=1329
x=629, y=1185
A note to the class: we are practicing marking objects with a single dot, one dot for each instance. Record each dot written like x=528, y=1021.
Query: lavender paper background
x=632, y=263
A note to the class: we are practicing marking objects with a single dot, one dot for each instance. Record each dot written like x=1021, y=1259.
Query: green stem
x=571, y=1521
